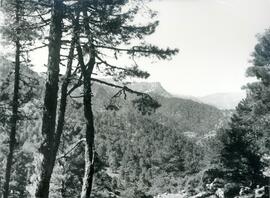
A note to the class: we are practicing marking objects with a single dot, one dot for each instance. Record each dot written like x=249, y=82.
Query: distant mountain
x=223, y=100
x=184, y=114
x=187, y=115
x=150, y=87
x=189, y=97
x=146, y=87
x=220, y=100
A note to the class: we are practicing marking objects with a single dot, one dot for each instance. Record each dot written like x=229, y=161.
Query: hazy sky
x=215, y=38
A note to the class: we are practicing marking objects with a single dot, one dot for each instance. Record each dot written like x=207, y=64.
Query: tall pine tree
x=17, y=31
x=247, y=138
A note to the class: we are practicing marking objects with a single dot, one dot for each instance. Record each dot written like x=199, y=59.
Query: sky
x=215, y=39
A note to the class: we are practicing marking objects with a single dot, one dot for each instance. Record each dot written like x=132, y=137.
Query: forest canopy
x=84, y=129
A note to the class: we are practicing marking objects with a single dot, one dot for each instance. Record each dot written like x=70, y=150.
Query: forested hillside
x=83, y=130
x=150, y=154
x=186, y=115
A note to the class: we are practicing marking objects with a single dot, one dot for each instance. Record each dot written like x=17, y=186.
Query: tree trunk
x=90, y=130
x=50, y=101
x=88, y=114
x=87, y=69
x=63, y=101
x=88, y=174
x=15, y=105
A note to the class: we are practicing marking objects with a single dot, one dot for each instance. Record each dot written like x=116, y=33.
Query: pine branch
x=125, y=88
x=111, y=66
x=143, y=50
x=71, y=148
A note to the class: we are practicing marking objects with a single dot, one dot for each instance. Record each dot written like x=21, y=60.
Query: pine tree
x=111, y=31
x=247, y=138
x=50, y=99
x=260, y=91
x=29, y=90
x=18, y=33
x=102, y=26
x=240, y=153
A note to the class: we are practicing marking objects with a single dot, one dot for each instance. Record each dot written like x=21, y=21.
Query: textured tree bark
x=15, y=106
x=88, y=174
x=50, y=101
x=87, y=69
x=63, y=101
x=88, y=114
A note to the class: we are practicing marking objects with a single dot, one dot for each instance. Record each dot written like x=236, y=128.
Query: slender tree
x=15, y=101
x=105, y=27
x=50, y=99
x=18, y=33
x=63, y=100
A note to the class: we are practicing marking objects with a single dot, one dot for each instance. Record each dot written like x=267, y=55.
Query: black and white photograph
x=134, y=98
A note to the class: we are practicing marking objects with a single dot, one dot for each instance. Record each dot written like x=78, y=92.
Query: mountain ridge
x=221, y=100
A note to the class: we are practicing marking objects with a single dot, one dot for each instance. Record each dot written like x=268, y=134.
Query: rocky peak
x=150, y=87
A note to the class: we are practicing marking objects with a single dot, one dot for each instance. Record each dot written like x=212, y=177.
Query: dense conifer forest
x=86, y=129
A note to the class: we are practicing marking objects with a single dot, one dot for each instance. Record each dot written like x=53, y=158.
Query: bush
x=211, y=173
x=231, y=190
